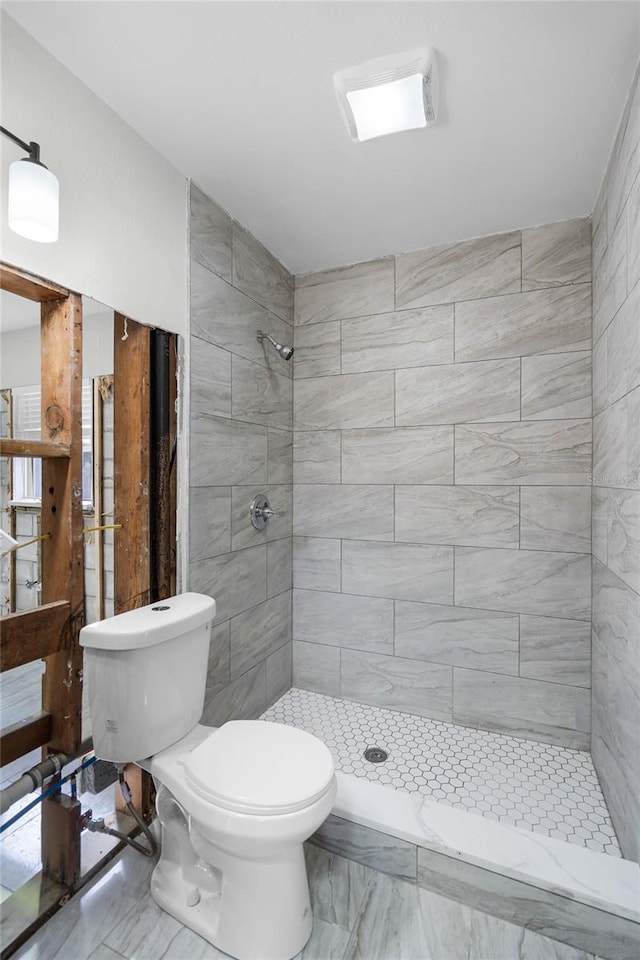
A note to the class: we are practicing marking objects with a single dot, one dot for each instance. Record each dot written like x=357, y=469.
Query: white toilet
x=235, y=803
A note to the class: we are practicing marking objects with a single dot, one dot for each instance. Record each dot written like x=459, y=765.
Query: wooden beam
x=31, y=288
x=62, y=554
x=34, y=634
x=131, y=414
x=61, y=830
x=21, y=738
x=34, y=448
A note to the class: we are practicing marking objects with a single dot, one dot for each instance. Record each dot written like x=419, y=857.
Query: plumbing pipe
x=47, y=793
x=36, y=776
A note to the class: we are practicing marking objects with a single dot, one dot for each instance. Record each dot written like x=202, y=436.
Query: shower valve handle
x=261, y=511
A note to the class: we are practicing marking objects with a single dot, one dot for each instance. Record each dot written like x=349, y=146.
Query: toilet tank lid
x=149, y=625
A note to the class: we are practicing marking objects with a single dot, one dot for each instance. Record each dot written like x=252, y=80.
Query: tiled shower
x=430, y=453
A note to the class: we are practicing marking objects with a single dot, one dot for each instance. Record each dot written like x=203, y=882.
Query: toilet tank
x=146, y=672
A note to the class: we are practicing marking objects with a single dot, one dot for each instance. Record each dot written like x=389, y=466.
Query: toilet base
x=256, y=911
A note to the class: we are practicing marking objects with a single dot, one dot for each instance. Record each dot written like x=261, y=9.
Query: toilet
x=235, y=803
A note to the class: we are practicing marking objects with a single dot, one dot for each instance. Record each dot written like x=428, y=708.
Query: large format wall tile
x=524, y=581
x=210, y=233
x=532, y=452
x=243, y=699
x=210, y=370
x=341, y=620
x=279, y=455
x=398, y=455
x=353, y=291
x=556, y=254
x=316, y=667
x=460, y=271
x=279, y=669
x=616, y=443
x=472, y=516
x=347, y=512
x=259, y=632
x=317, y=350
x=225, y=316
x=555, y=320
x=279, y=567
x=409, y=685
x=556, y=385
x=478, y=639
x=555, y=518
x=209, y=522
x=317, y=564
x=316, y=456
x=405, y=338
x=352, y=400
x=399, y=570
x=237, y=581
x=219, y=659
x=556, y=650
x=258, y=274
x=243, y=533
x=459, y=392
x=623, y=535
x=226, y=452
x=622, y=367
x=260, y=395
x=610, y=279
x=527, y=708
x=371, y=847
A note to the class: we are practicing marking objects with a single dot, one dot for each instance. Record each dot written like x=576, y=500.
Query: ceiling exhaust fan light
x=33, y=201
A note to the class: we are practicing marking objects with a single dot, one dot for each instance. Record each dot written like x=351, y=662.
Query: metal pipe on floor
x=36, y=776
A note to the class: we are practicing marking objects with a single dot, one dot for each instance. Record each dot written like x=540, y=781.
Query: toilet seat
x=260, y=768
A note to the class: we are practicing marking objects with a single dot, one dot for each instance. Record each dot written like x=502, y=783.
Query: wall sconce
x=33, y=195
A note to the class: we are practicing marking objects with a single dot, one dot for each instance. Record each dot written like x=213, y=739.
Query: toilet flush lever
x=261, y=511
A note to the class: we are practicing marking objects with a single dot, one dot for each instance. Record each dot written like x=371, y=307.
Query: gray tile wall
x=240, y=445
x=616, y=491
x=441, y=464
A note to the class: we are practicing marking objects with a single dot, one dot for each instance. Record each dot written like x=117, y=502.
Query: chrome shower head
x=285, y=352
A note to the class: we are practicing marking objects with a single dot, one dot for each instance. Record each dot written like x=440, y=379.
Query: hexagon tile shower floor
x=534, y=786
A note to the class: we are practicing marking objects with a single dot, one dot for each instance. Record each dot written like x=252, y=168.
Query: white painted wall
x=123, y=207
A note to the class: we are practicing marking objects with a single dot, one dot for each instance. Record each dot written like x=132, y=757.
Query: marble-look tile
x=259, y=632
x=279, y=671
x=279, y=566
x=279, y=455
x=556, y=452
x=316, y=564
x=398, y=455
x=102, y=952
x=556, y=254
x=567, y=925
x=599, y=226
x=243, y=533
x=404, y=571
x=337, y=886
x=555, y=320
x=350, y=512
x=405, y=338
x=225, y=316
x=624, y=163
x=533, y=709
x=633, y=235
x=259, y=395
x=209, y=233
x=242, y=699
x=555, y=518
x=219, y=659
x=478, y=639
x=599, y=374
x=472, y=516
x=316, y=667
x=187, y=945
x=316, y=456
x=623, y=349
x=368, y=847
x=258, y=274
x=616, y=443
x=610, y=279
x=524, y=581
x=209, y=522
x=354, y=291
x=328, y=941
x=616, y=702
x=413, y=686
x=353, y=400
x=144, y=931
x=317, y=350
x=599, y=504
x=341, y=620
x=459, y=271
x=623, y=535
x=210, y=373
x=491, y=937
x=224, y=452
x=555, y=650
x=237, y=581
x=556, y=385
x=459, y=392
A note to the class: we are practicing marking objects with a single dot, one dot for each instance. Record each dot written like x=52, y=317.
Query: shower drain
x=375, y=754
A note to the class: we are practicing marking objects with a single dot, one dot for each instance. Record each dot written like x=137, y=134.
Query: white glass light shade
x=388, y=107
x=33, y=201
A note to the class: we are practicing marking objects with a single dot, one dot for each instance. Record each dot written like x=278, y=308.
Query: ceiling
x=239, y=96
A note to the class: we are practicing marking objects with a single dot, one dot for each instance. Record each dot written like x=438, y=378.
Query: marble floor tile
x=337, y=886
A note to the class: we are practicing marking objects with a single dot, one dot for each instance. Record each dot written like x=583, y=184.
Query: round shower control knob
x=261, y=511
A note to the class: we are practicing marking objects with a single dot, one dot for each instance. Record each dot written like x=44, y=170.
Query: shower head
x=285, y=352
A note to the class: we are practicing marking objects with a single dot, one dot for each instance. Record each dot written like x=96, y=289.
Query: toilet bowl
x=235, y=803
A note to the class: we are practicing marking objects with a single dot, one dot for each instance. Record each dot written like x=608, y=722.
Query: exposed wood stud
x=21, y=738
x=34, y=634
x=22, y=284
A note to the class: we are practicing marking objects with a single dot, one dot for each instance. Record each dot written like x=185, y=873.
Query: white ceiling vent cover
x=389, y=94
